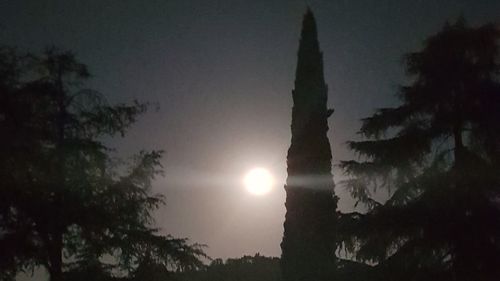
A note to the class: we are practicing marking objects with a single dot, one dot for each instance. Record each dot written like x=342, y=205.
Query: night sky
x=221, y=73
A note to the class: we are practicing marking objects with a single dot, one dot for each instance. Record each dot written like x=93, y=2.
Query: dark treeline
x=69, y=205
x=246, y=268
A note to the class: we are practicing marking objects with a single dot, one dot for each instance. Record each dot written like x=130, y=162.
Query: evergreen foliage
x=437, y=156
x=65, y=202
x=308, y=246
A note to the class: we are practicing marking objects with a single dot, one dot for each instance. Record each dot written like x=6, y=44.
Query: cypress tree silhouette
x=308, y=246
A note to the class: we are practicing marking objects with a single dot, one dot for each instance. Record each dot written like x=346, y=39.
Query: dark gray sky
x=222, y=73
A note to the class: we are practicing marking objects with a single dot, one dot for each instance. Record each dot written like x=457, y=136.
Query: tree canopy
x=437, y=156
x=246, y=268
x=67, y=203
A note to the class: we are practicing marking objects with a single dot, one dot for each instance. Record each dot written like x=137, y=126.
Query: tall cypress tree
x=308, y=244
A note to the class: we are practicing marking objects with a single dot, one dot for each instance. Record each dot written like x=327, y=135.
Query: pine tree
x=308, y=246
x=437, y=155
x=65, y=202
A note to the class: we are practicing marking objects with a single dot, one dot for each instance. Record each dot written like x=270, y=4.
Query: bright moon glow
x=258, y=181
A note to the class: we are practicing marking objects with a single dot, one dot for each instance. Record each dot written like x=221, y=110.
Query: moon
x=258, y=181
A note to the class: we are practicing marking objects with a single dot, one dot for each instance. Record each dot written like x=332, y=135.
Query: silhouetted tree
x=437, y=155
x=65, y=201
x=308, y=246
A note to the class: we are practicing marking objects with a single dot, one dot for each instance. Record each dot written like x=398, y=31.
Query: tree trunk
x=55, y=257
x=459, y=146
x=55, y=251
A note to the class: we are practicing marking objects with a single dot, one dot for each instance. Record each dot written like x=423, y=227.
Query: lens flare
x=258, y=181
